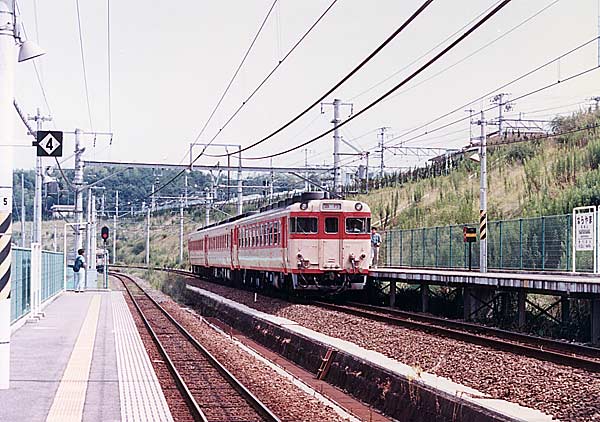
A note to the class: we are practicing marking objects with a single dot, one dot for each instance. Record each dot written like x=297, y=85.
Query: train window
x=270, y=234
x=357, y=225
x=276, y=234
x=304, y=225
x=331, y=225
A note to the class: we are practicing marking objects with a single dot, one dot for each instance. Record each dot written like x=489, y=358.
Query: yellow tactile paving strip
x=70, y=397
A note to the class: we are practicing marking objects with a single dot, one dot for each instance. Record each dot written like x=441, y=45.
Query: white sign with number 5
x=6, y=199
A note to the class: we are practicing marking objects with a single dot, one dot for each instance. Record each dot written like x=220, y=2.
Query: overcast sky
x=172, y=60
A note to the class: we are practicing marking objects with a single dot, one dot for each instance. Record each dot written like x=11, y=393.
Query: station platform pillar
x=521, y=308
x=476, y=302
x=595, y=316
x=424, y=298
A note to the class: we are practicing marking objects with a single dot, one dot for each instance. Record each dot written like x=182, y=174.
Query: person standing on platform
x=78, y=274
x=375, y=244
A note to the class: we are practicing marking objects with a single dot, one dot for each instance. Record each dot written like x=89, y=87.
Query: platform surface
x=83, y=361
x=543, y=281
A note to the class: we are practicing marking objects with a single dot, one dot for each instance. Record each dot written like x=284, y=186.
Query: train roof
x=305, y=197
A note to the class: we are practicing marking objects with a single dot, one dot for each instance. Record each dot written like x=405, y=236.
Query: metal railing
x=539, y=243
x=52, y=279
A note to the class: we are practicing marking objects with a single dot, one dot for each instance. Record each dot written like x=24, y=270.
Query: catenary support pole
x=7, y=65
x=37, y=200
x=337, y=176
x=23, y=211
x=148, y=236
x=115, y=225
x=181, y=205
x=240, y=195
x=78, y=185
x=483, y=198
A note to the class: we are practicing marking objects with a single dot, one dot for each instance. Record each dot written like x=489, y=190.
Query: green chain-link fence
x=52, y=279
x=542, y=243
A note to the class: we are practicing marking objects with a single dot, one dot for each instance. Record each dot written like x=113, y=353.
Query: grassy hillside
x=530, y=178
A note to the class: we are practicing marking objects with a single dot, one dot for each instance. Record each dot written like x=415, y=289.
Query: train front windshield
x=355, y=225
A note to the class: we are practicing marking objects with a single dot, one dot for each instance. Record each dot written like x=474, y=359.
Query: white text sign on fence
x=584, y=233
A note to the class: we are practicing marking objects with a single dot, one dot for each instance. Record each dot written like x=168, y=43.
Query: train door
x=284, y=235
x=233, y=244
x=331, y=241
x=206, y=251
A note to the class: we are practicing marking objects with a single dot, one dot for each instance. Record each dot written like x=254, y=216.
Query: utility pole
x=483, y=197
x=88, y=234
x=306, y=184
x=207, y=206
x=147, y=236
x=153, y=200
x=240, y=195
x=78, y=185
x=470, y=111
x=23, y=241
x=499, y=98
x=337, y=171
x=382, y=151
x=367, y=172
x=37, y=200
x=271, y=182
x=185, y=188
x=181, y=205
x=115, y=223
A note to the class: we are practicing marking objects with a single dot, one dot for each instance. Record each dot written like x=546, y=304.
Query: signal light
x=104, y=233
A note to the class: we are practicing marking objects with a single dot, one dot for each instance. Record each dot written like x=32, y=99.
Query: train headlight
x=358, y=206
x=304, y=206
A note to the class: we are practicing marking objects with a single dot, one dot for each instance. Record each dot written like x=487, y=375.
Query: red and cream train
x=306, y=243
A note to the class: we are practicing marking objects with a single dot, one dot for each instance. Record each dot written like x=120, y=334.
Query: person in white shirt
x=375, y=244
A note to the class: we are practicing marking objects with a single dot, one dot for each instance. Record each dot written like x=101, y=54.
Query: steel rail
x=541, y=342
x=250, y=398
x=192, y=404
x=504, y=345
x=537, y=347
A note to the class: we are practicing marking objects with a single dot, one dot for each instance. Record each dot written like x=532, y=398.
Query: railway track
x=569, y=354
x=211, y=392
x=577, y=356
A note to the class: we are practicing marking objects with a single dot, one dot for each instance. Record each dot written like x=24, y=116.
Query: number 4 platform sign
x=49, y=143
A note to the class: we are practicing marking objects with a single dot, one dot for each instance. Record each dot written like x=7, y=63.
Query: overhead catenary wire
x=478, y=50
x=266, y=78
x=85, y=80
x=395, y=88
x=366, y=60
x=577, y=75
x=491, y=92
x=237, y=71
x=255, y=91
x=431, y=50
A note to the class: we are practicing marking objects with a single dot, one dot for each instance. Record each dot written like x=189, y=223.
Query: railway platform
x=479, y=290
x=83, y=361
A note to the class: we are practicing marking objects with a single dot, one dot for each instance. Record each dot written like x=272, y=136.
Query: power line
x=236, y=72
x=260, y=85
x=87, y=94
x=341, y=82
x=348, y=76
x=584, y=72
x=483, y=47
x=422, y=55
x=398, y=86
x=487, y=94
